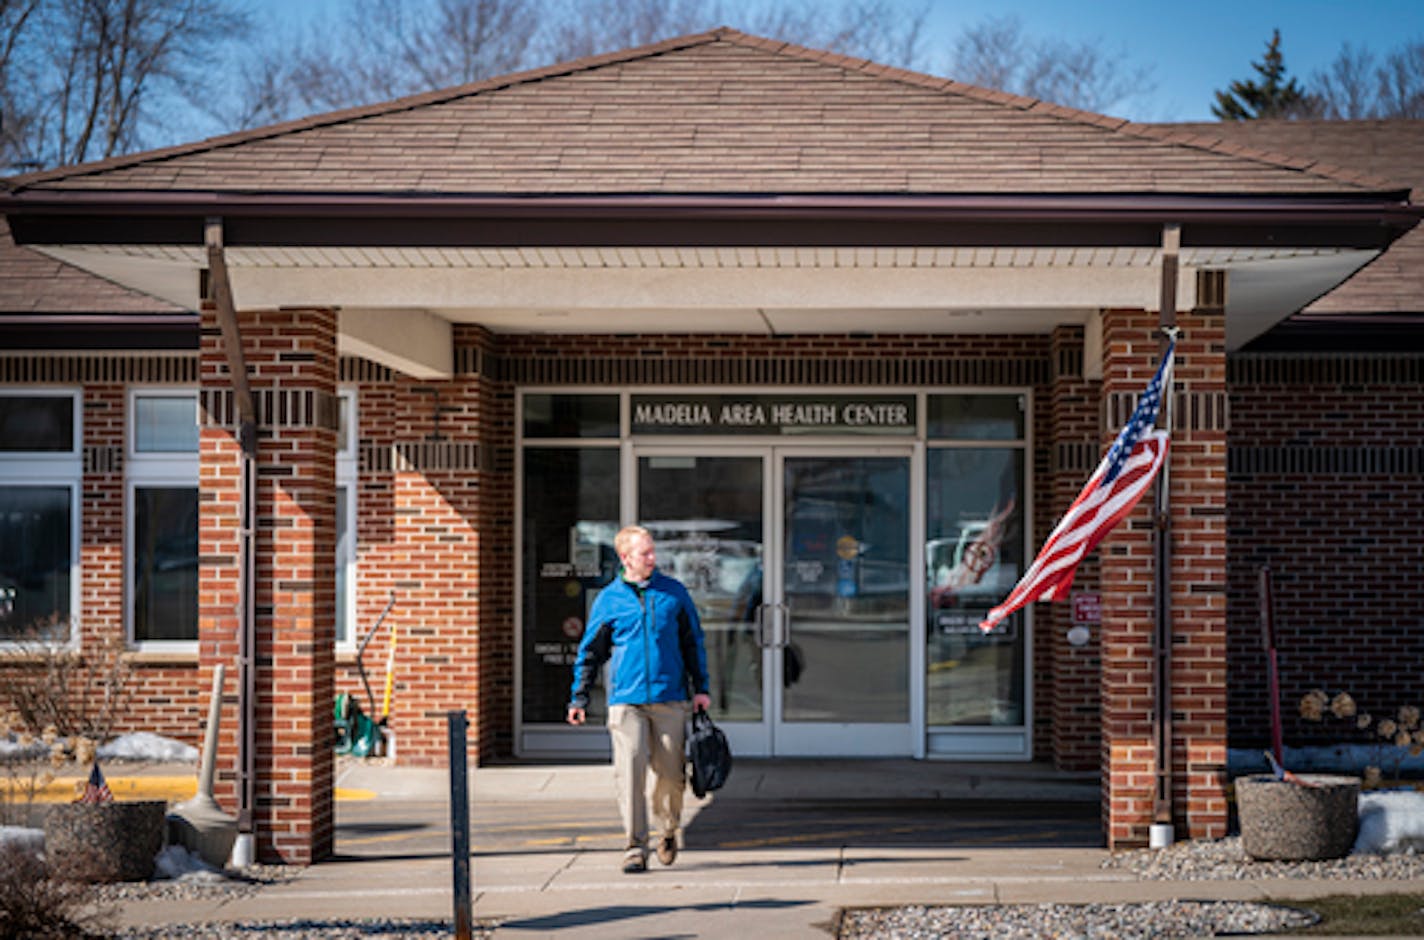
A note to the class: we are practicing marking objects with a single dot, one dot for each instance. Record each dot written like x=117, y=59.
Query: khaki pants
x=648, y=737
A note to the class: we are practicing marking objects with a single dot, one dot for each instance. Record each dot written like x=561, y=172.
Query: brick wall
x=1071, y=421
x=1326, y=487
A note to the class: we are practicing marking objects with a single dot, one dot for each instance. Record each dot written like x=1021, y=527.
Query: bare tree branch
x=997, y=54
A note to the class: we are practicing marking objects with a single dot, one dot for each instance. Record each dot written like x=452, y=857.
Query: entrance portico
x=950, y=354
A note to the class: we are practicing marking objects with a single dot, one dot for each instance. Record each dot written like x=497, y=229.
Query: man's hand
x=701, y=702
x=576, y=715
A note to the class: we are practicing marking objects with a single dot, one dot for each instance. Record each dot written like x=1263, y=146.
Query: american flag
x=1109, y=495
x=96, y=790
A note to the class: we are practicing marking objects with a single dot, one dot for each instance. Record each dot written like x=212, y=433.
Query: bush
x=74, y=692
x=38, y=904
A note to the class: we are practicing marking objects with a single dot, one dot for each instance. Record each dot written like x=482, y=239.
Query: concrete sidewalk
x=393, y=852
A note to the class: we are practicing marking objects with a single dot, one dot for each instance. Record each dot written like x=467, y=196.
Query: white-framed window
x=41, y=470
x=161, y=550
x=346, y=465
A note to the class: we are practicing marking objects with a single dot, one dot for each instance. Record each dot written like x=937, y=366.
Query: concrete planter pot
x=105, y=842
x=1285, y=821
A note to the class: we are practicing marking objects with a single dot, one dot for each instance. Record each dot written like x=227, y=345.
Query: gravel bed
x=1043, y=921
x=1225, y=860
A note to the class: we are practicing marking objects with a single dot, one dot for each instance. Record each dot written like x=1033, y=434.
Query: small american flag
x=1109, y=495
x=96, y=790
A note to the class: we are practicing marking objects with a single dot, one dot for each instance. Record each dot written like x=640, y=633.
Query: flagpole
x=1160, y=833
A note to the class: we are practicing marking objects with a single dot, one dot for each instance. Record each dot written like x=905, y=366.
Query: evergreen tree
x=1270, y=95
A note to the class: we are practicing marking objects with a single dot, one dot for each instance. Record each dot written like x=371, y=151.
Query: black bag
x=710, y=756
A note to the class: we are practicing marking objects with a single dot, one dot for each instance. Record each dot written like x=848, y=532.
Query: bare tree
x=1346, y=89
x=17, y=74
x=1359, y=85
x=384, y=49
x=87, y=75
x=1401, y=82
x=996, y=53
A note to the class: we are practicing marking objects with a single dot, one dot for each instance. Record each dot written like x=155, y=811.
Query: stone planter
x=104, y=842
x=1285, y=821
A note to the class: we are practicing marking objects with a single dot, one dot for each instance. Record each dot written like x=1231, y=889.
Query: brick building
x=848, y=339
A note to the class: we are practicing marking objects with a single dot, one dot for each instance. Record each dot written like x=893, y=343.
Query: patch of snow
x=145, y=745
x=27, y=840
x=1390, y=821
x=176, y=863
x=12, y=749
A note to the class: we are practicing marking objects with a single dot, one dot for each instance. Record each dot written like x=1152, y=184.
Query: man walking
x=645, y=622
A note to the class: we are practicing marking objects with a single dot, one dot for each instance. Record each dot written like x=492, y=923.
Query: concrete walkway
x=775, y=854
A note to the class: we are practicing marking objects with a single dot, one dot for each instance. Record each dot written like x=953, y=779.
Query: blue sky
x=1194, y=48
x=1191, y=48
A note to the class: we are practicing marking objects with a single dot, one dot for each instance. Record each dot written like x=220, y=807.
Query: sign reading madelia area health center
x=773, y=414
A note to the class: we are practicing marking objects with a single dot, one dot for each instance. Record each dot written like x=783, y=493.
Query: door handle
x=759, y=618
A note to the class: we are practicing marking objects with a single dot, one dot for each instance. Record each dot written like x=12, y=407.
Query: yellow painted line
x=774, y=841
x=354, y=793
x=172, y=789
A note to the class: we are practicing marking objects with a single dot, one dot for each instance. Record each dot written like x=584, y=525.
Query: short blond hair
x=625, y=537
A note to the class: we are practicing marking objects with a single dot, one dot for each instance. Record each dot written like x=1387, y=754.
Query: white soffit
x=1261, y=294
x=677, y=289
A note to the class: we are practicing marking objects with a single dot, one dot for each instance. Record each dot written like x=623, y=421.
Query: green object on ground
x=356, y=733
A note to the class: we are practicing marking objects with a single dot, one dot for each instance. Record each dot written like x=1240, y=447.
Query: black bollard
x=459, y=822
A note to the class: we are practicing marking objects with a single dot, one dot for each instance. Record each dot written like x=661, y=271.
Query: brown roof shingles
x=34, y=283
x=1392, y=150
x=720, y=112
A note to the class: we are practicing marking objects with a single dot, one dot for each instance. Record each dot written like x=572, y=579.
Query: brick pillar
x=1073, y=434
x=1196, y=579
x=291, y=357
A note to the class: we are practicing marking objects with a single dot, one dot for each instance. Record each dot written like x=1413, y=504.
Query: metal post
x=459, y=822
x=1273, y=674
x=1160, y=833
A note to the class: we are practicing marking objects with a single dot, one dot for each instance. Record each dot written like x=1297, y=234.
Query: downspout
x=1160, y=833
x=244, y=850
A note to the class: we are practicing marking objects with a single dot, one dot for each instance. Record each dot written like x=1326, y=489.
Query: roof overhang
x=779, y=263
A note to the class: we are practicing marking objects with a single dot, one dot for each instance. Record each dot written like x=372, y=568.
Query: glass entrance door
x=800, y=563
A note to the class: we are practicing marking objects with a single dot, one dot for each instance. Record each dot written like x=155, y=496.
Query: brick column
x=291, y=357
x=1197, y=582
x=1073, y=434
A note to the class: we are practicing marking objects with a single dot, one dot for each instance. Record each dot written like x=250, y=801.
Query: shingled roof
x=32, y=283
x=719, y=112
x=1392, y=150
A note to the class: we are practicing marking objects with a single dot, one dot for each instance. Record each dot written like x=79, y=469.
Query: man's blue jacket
x=654, y=639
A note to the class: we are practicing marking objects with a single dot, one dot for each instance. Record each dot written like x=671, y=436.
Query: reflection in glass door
x=707, y=516
x=844, y=613
x=804, y=591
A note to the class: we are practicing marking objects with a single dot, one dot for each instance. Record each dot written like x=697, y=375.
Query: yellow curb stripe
x=172, y=789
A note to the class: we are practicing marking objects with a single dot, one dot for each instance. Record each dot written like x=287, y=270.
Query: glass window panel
x=36, y=560
x=570, y=518
x=571, y=416
x=706, y=515
x=166, y=424
x=977, y=417
x=345, y=558
x=344, y=444
x=36, y=423
x=165, y=563
x=974, y=557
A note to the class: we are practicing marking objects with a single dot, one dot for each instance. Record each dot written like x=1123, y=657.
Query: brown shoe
x=634, y=861
x=667, y=849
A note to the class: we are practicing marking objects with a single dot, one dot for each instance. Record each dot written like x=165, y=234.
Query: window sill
x=152, y=657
